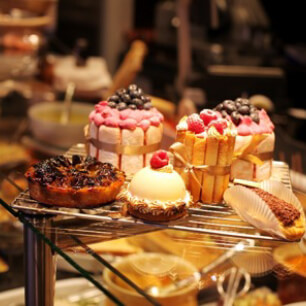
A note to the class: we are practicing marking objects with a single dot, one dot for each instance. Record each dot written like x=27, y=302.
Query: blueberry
x=145, y=99
x=134, y=94
x=133, y=87
x=228, y=102
x=120, y=92
x=223, y=113
x=147, y=106
x=219, y=107
x=243, y=101
x=113, y=98
x=126, y=98
x=235, y=117
x=138, y=103
x=121, y=106
x=244, y=110
x=229, y=107
x=132, y=106
x=237, y=104
x=140, y=91
x=112, y=104
x=255, y=117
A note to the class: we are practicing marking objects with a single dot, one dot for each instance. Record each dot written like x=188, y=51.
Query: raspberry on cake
x=208, y=115
x=125, y=130
x=81, y=183
x=195, y=124
x=157, y=193
x=207, y=141
x=255, y=141
x=159, y=159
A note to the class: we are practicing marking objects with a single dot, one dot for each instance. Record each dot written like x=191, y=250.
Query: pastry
x=255, y=140
x=208, y=142
x=277, y=212
x=157, y=192
x=81, y=183
x=125, y=130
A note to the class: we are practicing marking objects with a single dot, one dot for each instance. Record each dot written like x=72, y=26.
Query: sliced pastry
x=277, y=212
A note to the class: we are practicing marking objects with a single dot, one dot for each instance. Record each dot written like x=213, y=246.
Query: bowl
x=151, y=269
x=46, y=127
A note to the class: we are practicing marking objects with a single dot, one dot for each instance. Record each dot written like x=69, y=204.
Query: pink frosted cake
x=125, y=130
x=255, y=141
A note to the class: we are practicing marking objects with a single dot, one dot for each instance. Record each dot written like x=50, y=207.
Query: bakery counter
x=180, y=262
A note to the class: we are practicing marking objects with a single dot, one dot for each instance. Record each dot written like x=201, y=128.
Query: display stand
x=49, y=231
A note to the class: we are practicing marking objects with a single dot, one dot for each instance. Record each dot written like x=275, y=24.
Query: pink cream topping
x=248, y=127
x=125, y=119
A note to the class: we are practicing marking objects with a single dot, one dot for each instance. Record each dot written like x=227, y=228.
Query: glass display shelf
x=212, y=239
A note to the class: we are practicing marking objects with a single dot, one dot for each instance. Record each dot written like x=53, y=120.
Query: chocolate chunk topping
x=80, y=173
x=285, y=212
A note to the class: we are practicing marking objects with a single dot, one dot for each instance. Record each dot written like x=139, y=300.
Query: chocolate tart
x=80, y=183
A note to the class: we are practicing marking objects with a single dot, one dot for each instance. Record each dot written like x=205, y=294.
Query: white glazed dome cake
x=254, y=145
x=157, y=192
x=125, y=130
x=166, y=185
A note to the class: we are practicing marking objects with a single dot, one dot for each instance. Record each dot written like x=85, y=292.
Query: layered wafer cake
x=205, y=154
x=255, y=140
x=125, y=130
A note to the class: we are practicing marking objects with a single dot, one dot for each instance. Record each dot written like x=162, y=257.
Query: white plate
x=63, y=288
x=297, y=304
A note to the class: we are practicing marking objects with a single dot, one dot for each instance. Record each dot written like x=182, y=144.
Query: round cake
x=125, y=130
x=255, y=140
x=157, y=192
x=80, y=183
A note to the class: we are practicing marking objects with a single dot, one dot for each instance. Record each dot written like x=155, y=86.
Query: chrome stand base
x=40, y=267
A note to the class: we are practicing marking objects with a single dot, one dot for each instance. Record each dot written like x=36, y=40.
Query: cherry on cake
x=125, y=130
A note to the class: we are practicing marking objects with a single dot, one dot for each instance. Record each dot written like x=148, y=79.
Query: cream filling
x=182, y=126
x=134, y=200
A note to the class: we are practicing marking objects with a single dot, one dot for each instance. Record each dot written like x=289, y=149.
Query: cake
x=80, y=183
x=125, y=130
x=157, y=192
x=255, y=140
x=203, y=154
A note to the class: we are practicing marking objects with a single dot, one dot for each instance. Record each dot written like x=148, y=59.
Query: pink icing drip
x=126, y=119
x=128, y=123
x=144, y=124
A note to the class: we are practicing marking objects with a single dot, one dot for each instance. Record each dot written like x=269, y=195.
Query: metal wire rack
x=108, y=221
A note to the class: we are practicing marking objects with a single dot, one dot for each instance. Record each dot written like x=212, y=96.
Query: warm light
x=33, y=38
x=240, y=246
x=214, y=278
x=154, y=291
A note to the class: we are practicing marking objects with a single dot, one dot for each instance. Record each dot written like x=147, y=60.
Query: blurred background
x=187, y=54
